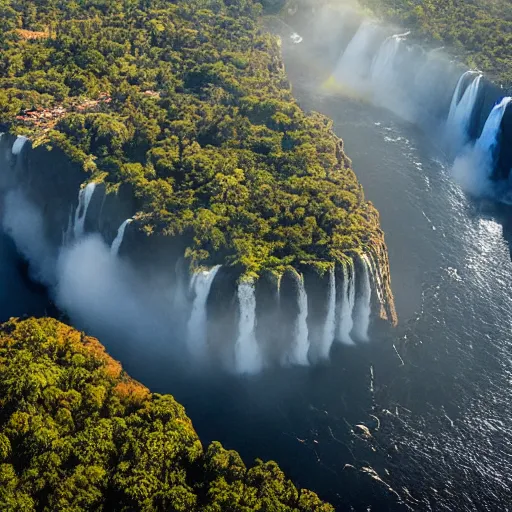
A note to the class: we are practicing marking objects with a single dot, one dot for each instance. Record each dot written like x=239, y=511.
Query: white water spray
x=330, y=319
x=363, y=306
x=18, y=144
x=300, y=344
x=201, y=284
x=84, y=198
x=348, y=300
x=116, y=244
x=67, y=235
x=248, y=359
x=382, y=71
x=354, y=64
x=461, y=109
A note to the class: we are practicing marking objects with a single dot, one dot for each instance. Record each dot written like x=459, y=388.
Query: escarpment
x=199, y=160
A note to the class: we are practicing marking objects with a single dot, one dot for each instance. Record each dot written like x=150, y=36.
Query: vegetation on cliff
x=478, y=30
x=188, y=102
x=76, y=433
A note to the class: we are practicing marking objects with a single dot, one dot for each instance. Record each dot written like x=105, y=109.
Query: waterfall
x=248, y=357
x=488, y=141
x=348, y=299
x=386, y=78
x=352, y=65
x=300, y=343
x=296, y=38
x=84, y=198
x=363, y=306
x=382, y=65
x=201, y=284
x=461, y=108
x=473, y=168
x=330, y=319
x=116, y=244
x=18, y=144
x=375, y=274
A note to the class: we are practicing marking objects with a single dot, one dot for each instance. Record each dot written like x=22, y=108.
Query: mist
x=345, y=52
x=137, y=315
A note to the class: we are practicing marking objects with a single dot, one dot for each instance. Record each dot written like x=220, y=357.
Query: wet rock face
x=504, y=158
x=223, y=314
x=289, y=290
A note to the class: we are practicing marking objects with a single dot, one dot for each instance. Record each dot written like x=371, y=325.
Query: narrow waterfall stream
x=84, y=198
x=200, y=284
x=118, y=240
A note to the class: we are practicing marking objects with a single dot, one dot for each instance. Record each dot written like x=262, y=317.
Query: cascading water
x=461, y=109
x=348, y=300
x=385, y=81
x=18, y=144
x=84, y=198
x=488, y=141
x=248, y=358
x=363, y=304
x=201, y=284
x=116, y=244
x=330, y=319
x=354, y=63
x=298, y=353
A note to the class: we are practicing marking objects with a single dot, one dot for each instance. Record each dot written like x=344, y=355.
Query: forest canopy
x=186, y=102
x=76, y=433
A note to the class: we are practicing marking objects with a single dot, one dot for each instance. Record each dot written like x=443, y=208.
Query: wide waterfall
x=298, y=353
x=348, y=300
x=363, y=303
x=461, y=109
x=116, y=244
x=18, y=144
x=248, y=358
x=329, y=330
x=200, y=284
x=84, y=198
